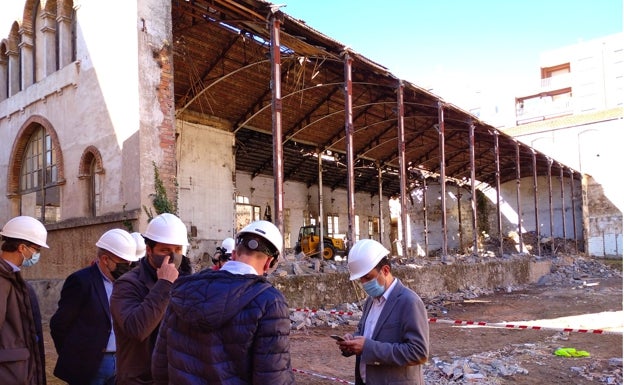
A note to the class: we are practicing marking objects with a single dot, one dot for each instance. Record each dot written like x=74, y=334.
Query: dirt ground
x=529, y=353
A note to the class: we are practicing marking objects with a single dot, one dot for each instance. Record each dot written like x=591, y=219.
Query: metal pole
x=473, y=190
x=425, y=218
x=573, y=210
x=535, y=203
x=402, y=177
x=321, y=224
x=442, y=178
x=563, y=216
x=498, y=195
x=276, y=111
x=518, y=202
x=550, y=205
x=381, y=222
x=459, y=219
x=348, y=91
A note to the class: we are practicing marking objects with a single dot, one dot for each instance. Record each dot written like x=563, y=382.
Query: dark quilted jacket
x=223, y=328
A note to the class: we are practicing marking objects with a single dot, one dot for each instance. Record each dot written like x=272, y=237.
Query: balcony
x=532, y=110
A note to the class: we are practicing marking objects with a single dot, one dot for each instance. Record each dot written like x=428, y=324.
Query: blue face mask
x=34, y=258
x=373, y=288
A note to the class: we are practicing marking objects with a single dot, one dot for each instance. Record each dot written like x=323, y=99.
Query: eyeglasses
x=36, y=248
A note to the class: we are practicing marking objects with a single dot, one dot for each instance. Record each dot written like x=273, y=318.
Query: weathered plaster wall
x=331, y=289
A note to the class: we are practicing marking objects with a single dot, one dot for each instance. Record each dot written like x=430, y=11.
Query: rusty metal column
x=573, y=210
x=348, y=62
x=473, y=190
x=442, y=178
x=425, y=217
x=563, y=216
x=381, y=222
x=498, y=194
x=459, y=220
x=401, y=140
x=276, y=111
x=535, y=203
x=518, y=202
x=550, y=206
x=320, y=199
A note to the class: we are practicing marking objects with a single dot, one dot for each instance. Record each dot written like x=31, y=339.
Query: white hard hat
x=26, y=228
x=167, y=228
x=120, y=243
x=266, y=230
x=364, y=256
x=227, y=245
x=140, y=244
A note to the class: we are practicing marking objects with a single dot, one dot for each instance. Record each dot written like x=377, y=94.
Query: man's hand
x=351, y=345
x=167, y=271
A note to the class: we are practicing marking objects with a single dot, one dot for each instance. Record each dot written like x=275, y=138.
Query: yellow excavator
x=308, y=242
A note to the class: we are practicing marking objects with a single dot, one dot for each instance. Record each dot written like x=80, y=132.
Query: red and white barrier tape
x=517, y=326
x=312, y=311
x=481, y=323
x=322, y=376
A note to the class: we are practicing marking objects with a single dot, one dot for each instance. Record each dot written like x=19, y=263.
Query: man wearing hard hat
x=140, y=297
x=81, y=327
x=22, y=358
x=241, y=335
x=223, y=253
x=392, y=338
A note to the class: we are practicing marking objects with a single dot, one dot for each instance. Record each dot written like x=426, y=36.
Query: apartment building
x=576, y=115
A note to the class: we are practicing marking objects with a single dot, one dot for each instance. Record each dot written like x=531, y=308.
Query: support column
x=27, y=59
x=14, y=72
x=473, y=190
x=402, y=171
x=48, y=62
x=276, y=111
x=498, y=195
x=563, y=216
x=4, y=77
x=550, y=205
x=573, y=211
x=425, y=217
x=518, y=201
x=65, y=40
x=535, y=203
x=380, y=189
x=459, y=219
x=442, y=179
x=321, y=224
x=348, y=91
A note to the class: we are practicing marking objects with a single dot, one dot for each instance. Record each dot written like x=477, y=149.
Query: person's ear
x=267, y=264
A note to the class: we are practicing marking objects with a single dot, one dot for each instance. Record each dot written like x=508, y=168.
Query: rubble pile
x=492, y=367
x=577, y=272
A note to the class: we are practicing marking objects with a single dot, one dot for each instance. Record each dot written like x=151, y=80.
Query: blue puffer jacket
x=223, y=328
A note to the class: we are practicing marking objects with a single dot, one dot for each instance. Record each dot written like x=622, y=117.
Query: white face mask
x=34, y=258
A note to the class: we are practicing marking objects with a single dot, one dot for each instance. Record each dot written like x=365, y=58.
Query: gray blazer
x=400, y=341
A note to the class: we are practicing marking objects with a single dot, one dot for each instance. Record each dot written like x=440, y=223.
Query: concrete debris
x=486, y=367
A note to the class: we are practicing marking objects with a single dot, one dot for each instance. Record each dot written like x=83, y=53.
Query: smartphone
x=337, y=337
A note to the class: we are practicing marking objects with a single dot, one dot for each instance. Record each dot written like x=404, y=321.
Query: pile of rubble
x=492, y=367
x=487, y=367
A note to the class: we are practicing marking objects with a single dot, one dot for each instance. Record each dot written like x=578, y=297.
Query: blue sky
x=448, y=46
x=441, y=45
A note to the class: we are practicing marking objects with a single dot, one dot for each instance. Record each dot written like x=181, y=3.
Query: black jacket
x=231, y=329
x=81, y=326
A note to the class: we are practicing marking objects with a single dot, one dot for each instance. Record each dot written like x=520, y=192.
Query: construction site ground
x=489, y=355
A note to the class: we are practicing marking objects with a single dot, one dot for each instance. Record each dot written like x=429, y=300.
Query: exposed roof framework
x=222, y=69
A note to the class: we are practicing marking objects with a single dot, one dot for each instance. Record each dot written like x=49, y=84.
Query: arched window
x=90, y=172
x=39, y=178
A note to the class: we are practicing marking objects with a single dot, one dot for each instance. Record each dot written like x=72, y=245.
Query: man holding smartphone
x=392, y=338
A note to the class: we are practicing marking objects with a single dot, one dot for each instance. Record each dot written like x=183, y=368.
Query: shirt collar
x=236, y=267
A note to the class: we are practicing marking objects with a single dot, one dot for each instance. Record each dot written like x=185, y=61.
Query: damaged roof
x=222, y=68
